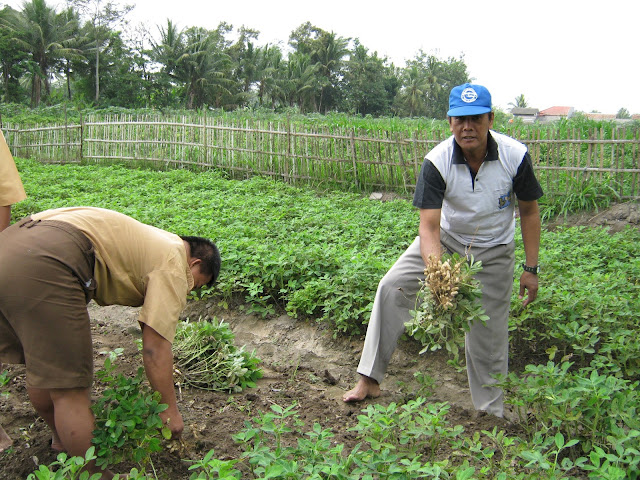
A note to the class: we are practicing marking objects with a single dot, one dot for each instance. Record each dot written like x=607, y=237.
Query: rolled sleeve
x=164, y=300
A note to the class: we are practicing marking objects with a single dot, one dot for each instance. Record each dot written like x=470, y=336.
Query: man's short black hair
x=207, y=251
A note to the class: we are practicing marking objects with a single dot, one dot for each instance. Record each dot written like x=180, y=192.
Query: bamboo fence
x=364, y=160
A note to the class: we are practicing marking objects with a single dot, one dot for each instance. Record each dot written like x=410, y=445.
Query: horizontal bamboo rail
x=364, y=160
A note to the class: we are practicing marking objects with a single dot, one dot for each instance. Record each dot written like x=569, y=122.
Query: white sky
x=579, y=53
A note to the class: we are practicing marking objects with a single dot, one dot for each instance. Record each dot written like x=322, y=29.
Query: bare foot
x=5, y=440
x=365, y=388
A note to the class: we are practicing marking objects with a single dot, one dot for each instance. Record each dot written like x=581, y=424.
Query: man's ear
x=194, y=261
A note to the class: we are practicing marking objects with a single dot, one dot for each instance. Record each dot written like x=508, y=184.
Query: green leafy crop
x=128, y=424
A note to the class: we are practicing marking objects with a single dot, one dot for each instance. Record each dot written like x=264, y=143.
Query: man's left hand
x=528, y=282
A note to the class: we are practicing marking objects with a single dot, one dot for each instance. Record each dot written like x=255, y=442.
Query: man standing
x=51, y=265
x=11, y=191
x=466, y=194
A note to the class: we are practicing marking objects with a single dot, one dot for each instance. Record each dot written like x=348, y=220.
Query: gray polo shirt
x=477, y=209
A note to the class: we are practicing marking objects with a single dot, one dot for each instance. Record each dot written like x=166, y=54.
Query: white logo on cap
x=469, y=95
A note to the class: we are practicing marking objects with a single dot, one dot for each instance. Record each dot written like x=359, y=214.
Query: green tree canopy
x=89, y=53
x=623, y=113
x=519, y=102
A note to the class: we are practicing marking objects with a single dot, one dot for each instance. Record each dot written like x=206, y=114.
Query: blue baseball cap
x=469, y=99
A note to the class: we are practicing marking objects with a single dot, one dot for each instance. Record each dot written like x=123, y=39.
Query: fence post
x=353, y=157
x=288, y=153
x=81, y=153
x=66, y=134
x=204, y=136
x=400, y=146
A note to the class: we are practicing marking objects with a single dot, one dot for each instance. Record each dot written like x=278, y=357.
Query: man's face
x=471, y=131
x=199, y=278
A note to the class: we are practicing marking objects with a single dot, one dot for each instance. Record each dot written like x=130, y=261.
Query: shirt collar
x=190, y=281
x=492, y=151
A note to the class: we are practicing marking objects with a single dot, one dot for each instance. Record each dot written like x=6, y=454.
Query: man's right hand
x=173, y=419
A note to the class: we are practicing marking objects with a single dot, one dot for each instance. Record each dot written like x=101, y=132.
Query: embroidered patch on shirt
x=504, y=200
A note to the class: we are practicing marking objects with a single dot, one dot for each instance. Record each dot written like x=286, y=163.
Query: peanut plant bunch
x=448, y=301
x=205, y=357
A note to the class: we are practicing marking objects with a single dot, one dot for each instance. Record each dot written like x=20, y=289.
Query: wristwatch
x=529, y=269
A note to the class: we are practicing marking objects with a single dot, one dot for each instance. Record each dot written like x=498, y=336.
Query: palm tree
x=169, y=49
x=166, y=53
x=12, y=59
x=520, y=102
x=203, y=69
x=329, y=57
x=301, y=82
x=47, y=36
x=76, y=46
x=365, y=83
x=269, y=74
x=414, y=89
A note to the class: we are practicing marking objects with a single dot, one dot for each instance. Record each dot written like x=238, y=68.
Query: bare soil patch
x=615, y=218
x=302, y=362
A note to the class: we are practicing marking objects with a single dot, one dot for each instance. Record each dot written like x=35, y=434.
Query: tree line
x=88, y=54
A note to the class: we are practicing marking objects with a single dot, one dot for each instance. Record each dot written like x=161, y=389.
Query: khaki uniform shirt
x=136, y=264
x=11, y=189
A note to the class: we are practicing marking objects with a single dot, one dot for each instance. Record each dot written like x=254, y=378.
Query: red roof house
x=555, y=113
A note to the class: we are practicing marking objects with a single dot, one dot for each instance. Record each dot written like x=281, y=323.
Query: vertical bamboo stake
x=416, y=167
x=549, y=162
x=288, y=152
x=601, y=150
x=205, y=143
x=354, y=159
x=81, y=137
x=66, y=134
x=636, y=154
x=579, y=161
x=614, y=158
x=619, y=158
x=571, y=152
x=403, y=166
x=590, y=149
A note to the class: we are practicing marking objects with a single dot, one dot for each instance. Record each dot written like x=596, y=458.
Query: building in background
x=526, y=114
x=555, y=113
